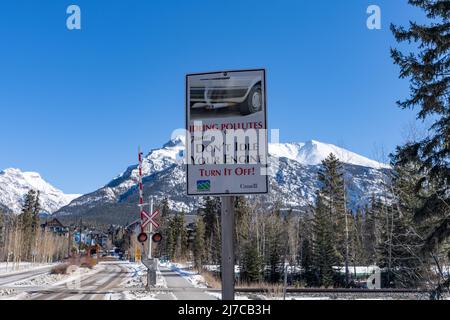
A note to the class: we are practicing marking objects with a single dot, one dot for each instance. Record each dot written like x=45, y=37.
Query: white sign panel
x=226, y=147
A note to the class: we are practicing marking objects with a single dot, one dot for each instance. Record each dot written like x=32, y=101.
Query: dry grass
x=270, y=289
x=87, y=262
x=82, y=262
x=60, y=269
x=212, y=280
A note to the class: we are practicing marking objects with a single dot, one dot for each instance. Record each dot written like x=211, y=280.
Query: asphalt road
x=100, y=284
x=180, y=288
x=95, y=286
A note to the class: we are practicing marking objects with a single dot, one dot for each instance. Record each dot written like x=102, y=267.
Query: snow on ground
x=138, y=279
x=216, y=268
x=10, y=267
x=218, y=296
x=41, y=280
x=75, y=276
x=138, y=276
x=46, y=280
x=56, y=279
x=7, y=293
x=138, y=273
x=183, y=270
x=134, y=295
x=290, y=297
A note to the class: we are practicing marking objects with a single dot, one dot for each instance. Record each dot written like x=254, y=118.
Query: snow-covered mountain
x=313, y=152
x=293, y=179
x=15, y=184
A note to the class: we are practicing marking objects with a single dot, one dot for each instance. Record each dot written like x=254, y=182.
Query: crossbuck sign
x=146, y=218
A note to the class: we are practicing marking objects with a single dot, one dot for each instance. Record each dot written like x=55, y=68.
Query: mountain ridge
x=15, y=184
x=293, y=177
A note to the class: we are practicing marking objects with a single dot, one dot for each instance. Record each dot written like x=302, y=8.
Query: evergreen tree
x=164, y=219
x=248, y=254
x=28, y=222
x=251, y=265
x=332, y=200
x=199, y=244
x=356, y=228
x=210, y=212
x=428, y=71
x=306, y=261
x=26, y=217
x=305, y=248
x=332, y=196
x=243, y=227
x=180, y=232
x=243, y=221
x=369, y=236
x=170, y=238
x=383, y=216
x=409, y=268
x=275, y=245
x=324, y=251
x=36, y=211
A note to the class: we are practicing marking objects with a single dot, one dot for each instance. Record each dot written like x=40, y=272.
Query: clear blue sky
x=74, y=105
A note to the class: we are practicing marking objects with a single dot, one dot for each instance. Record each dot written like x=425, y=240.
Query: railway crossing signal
x=146, y=219
x=142, y=237
x=157, y=237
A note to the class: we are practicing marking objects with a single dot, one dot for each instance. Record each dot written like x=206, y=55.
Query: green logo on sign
x=203, y=185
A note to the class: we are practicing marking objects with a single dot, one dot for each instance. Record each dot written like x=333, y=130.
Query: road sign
x=226, y=125
x=146, y=218
x=142, y=237
x=157, y=237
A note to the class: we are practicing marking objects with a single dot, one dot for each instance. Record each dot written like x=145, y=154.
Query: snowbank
x=183, y=270
x=138, y=279
x=10, y=267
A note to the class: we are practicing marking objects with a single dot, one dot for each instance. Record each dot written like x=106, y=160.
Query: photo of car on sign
x=226, y=94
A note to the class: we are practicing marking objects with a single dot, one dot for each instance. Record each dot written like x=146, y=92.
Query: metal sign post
x=227, y=214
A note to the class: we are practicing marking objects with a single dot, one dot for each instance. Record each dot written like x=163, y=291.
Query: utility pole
x=227, y=216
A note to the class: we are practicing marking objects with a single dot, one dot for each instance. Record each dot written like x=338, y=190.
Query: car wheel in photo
x=253, y=103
